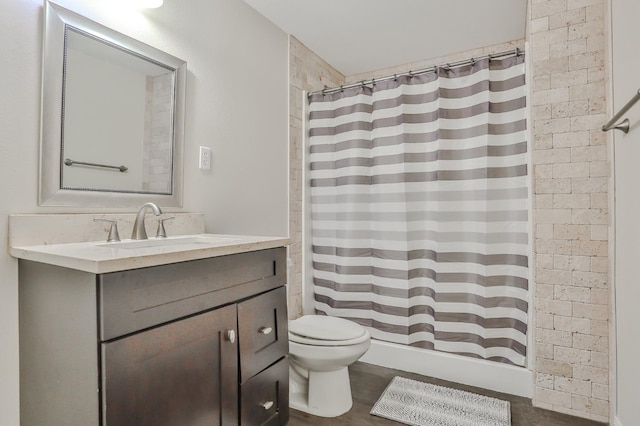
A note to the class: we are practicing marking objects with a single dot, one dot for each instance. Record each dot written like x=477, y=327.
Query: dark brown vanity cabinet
x=193, y=343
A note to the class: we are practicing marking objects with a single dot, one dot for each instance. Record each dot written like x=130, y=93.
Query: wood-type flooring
x=369, y=381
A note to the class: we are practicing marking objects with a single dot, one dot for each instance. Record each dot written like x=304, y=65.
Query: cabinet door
x=264, y=335
x=183, y=373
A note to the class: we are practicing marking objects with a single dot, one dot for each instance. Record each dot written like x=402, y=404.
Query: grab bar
x=624, y=124
x=70, y=162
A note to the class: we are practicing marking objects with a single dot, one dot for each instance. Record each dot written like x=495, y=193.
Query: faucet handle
x=113, y=230
x=161, y=233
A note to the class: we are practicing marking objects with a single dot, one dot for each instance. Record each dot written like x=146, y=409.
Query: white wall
x=626, y=82
x=237, y=103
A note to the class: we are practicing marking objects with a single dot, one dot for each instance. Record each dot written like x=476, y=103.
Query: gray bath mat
x=415, y=403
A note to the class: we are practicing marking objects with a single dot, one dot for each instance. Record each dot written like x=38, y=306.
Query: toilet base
x=329, y=394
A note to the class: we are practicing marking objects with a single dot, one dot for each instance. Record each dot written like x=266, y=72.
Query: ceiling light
x=135, y=4
x=150, y=4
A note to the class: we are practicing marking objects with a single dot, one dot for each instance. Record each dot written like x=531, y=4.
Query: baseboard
x=455, y=368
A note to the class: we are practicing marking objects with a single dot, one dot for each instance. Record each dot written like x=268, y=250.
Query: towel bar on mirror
x=70, y=162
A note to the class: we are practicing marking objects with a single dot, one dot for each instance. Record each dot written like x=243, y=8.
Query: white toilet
x=320, y=350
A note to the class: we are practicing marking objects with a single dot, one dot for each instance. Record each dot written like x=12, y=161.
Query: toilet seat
x=320, y=330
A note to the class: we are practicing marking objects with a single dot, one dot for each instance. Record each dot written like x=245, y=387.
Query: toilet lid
x=325, y=328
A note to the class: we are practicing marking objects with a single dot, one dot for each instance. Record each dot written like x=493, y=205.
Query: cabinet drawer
x=142, y=298
x=265, y=397
x=262, y=330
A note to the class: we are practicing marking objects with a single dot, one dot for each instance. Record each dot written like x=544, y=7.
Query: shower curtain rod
x=517, y=52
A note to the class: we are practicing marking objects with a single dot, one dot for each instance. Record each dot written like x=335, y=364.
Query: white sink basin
x=169, y=242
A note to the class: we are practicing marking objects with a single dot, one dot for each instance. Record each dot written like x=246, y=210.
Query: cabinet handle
x=267, y=405
x=230, y=335
x=265, y=330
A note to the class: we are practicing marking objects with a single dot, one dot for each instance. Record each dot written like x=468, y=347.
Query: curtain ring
x=447, y=67
x=410, y=74
x=517, y=52
x=490, y=57
x=373, y=82
x=473, y=62
x=341, y=88
x=395, y=77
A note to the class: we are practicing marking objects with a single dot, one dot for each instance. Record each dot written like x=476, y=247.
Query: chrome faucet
x=139, y=232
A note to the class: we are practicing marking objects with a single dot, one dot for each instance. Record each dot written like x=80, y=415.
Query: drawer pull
x=265, y=330
x=267, y=405
x=230, y=335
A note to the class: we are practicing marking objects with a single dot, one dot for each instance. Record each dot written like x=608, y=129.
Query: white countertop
x=100, y=257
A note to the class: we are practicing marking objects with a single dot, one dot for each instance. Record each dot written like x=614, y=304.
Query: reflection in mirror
x=117, y=111
x=113, y=114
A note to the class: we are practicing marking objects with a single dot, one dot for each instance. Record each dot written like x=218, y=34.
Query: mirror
x=112, y=117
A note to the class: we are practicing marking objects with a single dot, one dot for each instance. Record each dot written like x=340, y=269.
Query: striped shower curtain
x=419, y=207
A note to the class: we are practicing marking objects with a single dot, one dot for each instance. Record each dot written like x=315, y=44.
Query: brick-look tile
x=600, y=264
x=573, y=386
x=556, y=368
x=589, y=279
x=571, y=170
x=572, y=263
x=544, y=291
x=544, y=320
x=600, y=360
x=544, y=351
x=570, y=197
x=543, y=142
x=589, y=185
x=590, y=405
x=544, y=380
x=599, y=327
x=570, y=17
x=577, y=325
x=554, y=397
x=569, y=109
x=600, y=391
x=568, y=293
x=552, y=186
x=599, y=200
x=600, y=296
x=571, y=139
x=590, y=310
x=556, y=307
x=553, y=215
x=574, y=4
x=553, y=246
x=591, y=343
x=563, y=231
x=572, y=355
x=571, y=201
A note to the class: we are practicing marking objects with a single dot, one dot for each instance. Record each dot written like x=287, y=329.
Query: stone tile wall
x=156, y=171
x=308, y=72
x=571, y=178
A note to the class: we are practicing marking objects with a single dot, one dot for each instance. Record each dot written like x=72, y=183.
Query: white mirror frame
x=50, y=192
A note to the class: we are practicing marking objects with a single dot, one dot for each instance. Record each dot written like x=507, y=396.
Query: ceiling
x=357, y=36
